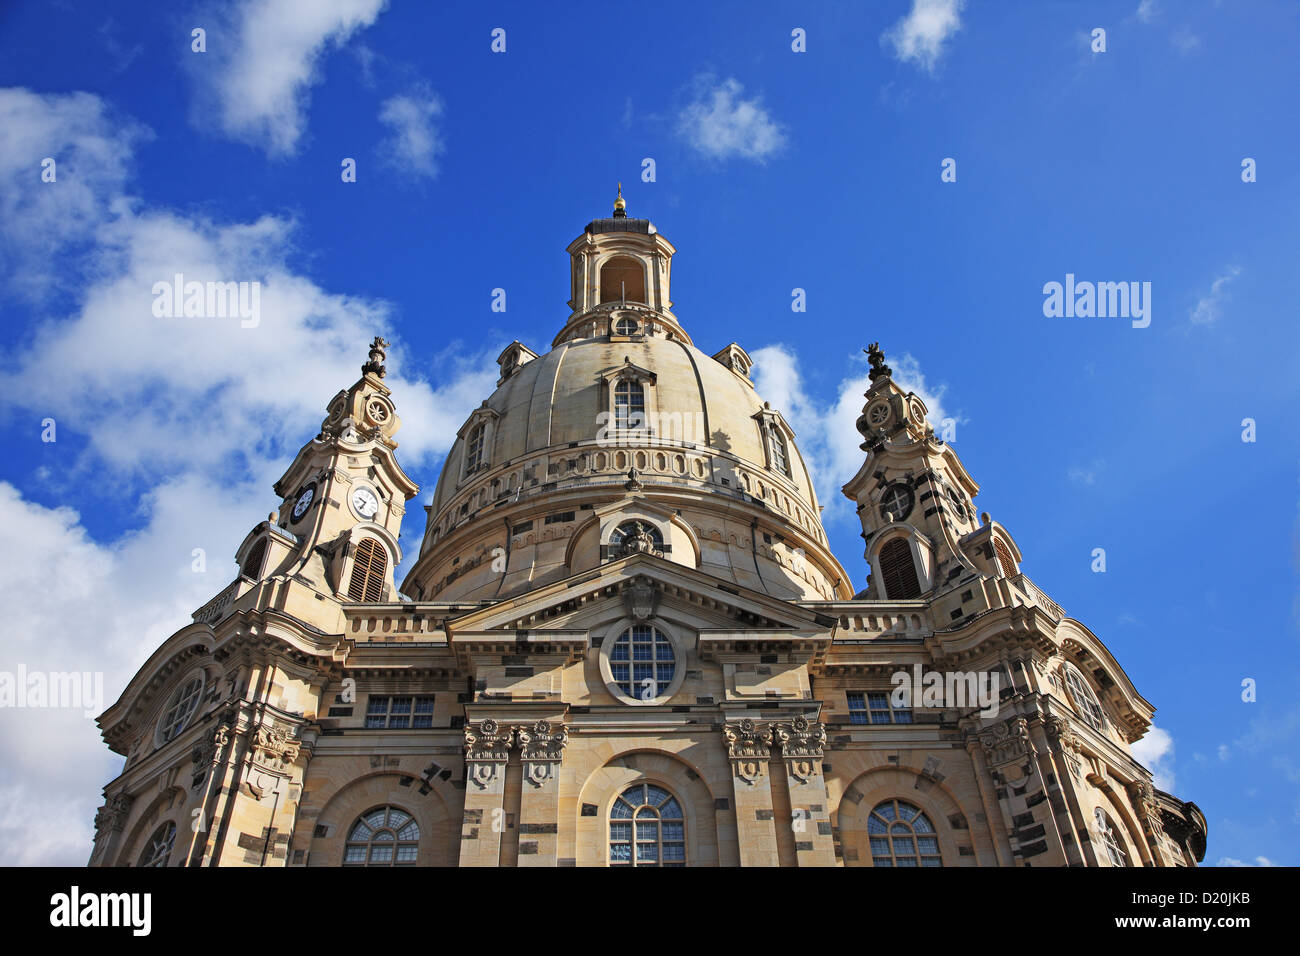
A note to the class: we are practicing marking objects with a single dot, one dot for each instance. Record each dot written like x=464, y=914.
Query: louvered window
x=898, y=571
x=253, y=563
x=1005, y=560
x=368, y=569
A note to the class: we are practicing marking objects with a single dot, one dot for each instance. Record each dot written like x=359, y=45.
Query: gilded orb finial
x=620, y=204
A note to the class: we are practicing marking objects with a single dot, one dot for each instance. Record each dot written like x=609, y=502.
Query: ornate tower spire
x=620, y=204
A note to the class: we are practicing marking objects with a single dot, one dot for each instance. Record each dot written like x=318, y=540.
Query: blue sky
x=774, y=170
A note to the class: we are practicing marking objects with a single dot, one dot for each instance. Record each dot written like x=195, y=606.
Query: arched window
x=252, y=567
x=1085, y=701
x=179, y=709
x=1114, y=849
x=368, y=569
x=622, y=280
x=898, y=571
x=629, y=404
x=642, y=662
x=901, y=835
x=474, y=450
x=646, y=828
x=385, y=836
x=780, y=455
x=1005, y=561
x=629, y=528
x=159, y=848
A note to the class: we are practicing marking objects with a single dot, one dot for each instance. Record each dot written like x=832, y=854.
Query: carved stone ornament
x=541, y=748
x=1007, y=743
x=749, y=746
x=1143, y=795
x=112, y=815
x=272, y=746
x=487, y=748
x=1058, y=730
x=641, y=598
x=803, y=744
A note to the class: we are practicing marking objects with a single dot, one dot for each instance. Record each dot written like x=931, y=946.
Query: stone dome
x=624, y=426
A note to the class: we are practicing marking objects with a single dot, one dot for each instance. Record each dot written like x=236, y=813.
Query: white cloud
x=1156, y=752
x=920, y=36
x=720, y=123
x=1087, y=474
x=1230, y=861
x=826, y=432
x=415, y=143
x=1209, y=308
x=187, y=421
x=1147, y=11
x=1185, y=41
x=260, y=67
x=91, y=149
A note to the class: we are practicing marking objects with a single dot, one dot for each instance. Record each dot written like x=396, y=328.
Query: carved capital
x=749, y=747
x=112, y=815
x=541, y=748
x=1059, y=732
x=272, y=746
x=1007, y=742
x=487, y=748
x=1143, y=796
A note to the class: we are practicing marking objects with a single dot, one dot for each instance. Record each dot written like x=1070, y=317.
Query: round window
x=640, y=663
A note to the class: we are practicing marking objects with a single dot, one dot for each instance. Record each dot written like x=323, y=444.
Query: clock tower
x=344, y=495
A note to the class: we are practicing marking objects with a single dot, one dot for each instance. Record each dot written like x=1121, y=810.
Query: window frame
x=888, y=835
x=168, y=831
x=168, y=727
x=871, y=707
x=610, y=640
x=633, y=842
x=1083, y=699
x=370, y=843
x=412, y=714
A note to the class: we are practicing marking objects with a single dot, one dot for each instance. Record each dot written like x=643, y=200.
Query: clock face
x=365, y=502
x=305, y=498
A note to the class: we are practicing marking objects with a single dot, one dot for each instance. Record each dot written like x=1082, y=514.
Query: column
x=487, y=748
x=803, y=745
x=749, y=748
x=541, y=749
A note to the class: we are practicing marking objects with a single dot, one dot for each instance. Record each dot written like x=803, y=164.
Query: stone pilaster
x=803, y=746
x=109, y=820
x=487, y=750
x=541, y=750
x=749, y=748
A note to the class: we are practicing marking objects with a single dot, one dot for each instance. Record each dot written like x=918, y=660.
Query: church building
x=626, y=642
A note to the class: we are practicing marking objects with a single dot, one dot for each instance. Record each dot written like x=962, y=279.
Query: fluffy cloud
x=183, y=422
x=261, y=65
x=1156, y=752
x=91, y=149
x=720, y=123
x=414, y=144
x=920, y=36
x=1209, y=308
x=826, y=431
